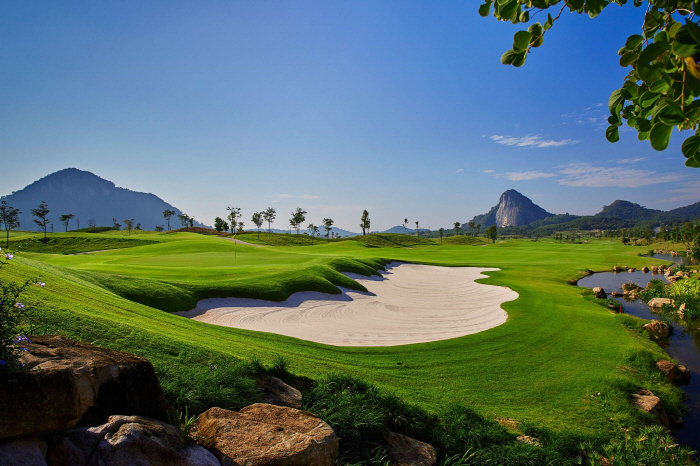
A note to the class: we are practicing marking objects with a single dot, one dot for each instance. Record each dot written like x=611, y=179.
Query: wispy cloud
x=459, y=170
x=535, y=141
x=688, y=192
x=525, y=176
x=633, y=160
x=489, y=171
x=283, y=196
x=309, y=196
x=595, y=116
x=590, y=176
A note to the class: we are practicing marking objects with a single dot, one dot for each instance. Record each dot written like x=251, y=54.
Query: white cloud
x=309, y=196
x=489, y=171
x=590, y=176
x=525, y=176
x=283, y=196
x=530, y=141
x=633, y=160
x=459, y=170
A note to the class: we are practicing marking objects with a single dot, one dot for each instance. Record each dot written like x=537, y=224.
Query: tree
x=492, y=233
x=662, y=87
x=328, y=226
x=472, y=226
x=457, y=227
x=269, y=215
x=115, y=224
x=257, y=219
x=41, y=219
x=417, y=229
x=364, y=222
x=298, y=217
x=159, y=228
x=190, y=221
x=234, y=213
x=167, y=214
x=9, y=217
x=441, y=231
x=313, y=229
x=77, y=220
x=478, y=229
x=184, y=220
x=92, y=223
x=129, y=224
x=219, y=224
x=405, y=226
x=65, y=219
x=240, y=227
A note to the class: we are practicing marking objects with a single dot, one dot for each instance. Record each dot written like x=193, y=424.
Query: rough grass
x=74, y=244
x=199, y=230
x=280, y=239
x=390, y=240
x=466, y=240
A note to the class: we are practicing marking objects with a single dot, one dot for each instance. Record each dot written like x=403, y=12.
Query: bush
x=11, y=313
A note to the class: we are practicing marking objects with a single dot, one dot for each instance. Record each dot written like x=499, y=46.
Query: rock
x=658, y=329
x=616, y=269
x=674, y=373
x=633, y=296
x=674, y=278
x=125, y=441
x=648, y=402
x=599, y=293
x=616, y=294
x=680, y=274
x=659, y=302
x=405, y=451
x=76, y=384
x=654, y=269
x=263, y=434
x=278, y=393
x=682, y=308
x=645, y=269
x=668, y=273
x=631, y=269
x=24, y=451
x=529, y=440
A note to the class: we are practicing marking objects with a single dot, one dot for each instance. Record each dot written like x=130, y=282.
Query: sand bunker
x=408, y=304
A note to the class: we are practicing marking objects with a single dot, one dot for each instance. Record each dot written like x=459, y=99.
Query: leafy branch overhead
x=662, y=87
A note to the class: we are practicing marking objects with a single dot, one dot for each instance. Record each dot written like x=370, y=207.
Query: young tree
x=364, y=222
x=472, y=226
x=441, y=231
x=234, y=213
x=219, y=224
x=457, y=227
x=184, y=220
x=41, y=219
x=312, y=231
x=167, y=214
x=9, y=217
x=240, y=227
x=129, y=224
x=405, y=226
x=662, y=87
x=191, y=222
x=257, y=219
x=92, y=223
x=298, y=217
x=65, y=219
x=492, y=233
x=328, y=226
x=159, y=228
x=417, y=229
x=269, y=215
x=115, y=224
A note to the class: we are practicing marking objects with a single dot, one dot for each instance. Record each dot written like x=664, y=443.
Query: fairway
x=540, y=366
x=407, y=304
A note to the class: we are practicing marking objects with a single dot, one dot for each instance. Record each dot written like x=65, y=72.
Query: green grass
x=73, y=244
x=543, y=367
x=390, y=240
x=466, y=240
x=279, y=239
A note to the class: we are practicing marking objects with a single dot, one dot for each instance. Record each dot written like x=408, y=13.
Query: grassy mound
x=391, y=240
x=466, y=240
x=75, y=244
x=280, y=239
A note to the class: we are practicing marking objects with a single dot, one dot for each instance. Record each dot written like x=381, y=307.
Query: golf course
x=559, y=363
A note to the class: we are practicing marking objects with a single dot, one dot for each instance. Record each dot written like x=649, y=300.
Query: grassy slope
x=74, y=244
x=539, y=366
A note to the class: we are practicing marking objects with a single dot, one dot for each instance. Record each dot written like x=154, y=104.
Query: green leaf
x=671, y=113
x=691, y=147
x=519, y=59
x=508, y=57
x=628, y=58
x=521, y=40
x=661, y=36
x=535, y=29
x=648, y=99
x=634, y=41
x=612, y=134
x=659, y=86
x=648, y=72
x=643, y=135
x=614, y=120
x=548, y=24
x=693, y=30
x=615, y=99
x=693, y=163
x=485, y=9
x=643, y=125
x=684, y=49
x=673, y=30
x=507, y=8
x=594, y=7
x=660, y=135
x=525, y=16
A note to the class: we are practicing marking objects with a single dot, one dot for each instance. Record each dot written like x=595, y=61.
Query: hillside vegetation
x=74, y=244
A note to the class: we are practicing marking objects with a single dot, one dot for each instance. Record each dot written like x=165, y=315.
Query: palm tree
x=364, y=222
x=405, y=224
x=457, y=227
x=65, y=219
x=441, y=231
x=417, y=229
x=471, y=227
x=328, y=226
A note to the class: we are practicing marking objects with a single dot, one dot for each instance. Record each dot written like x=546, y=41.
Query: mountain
x=688, y=212
x=626, y=210
x=89, y=197
x=513, y=209
x=400, y=229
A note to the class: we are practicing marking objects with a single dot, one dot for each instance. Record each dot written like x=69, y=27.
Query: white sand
x=408, y=304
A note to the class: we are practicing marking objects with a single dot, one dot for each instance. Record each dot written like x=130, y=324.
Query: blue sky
x=398, y=107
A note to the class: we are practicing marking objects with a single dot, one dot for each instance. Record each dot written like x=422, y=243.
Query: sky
x=398, y=107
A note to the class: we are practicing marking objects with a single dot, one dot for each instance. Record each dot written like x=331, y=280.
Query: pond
x=683, y=345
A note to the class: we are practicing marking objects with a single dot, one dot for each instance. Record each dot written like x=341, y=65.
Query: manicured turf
x=545, y=365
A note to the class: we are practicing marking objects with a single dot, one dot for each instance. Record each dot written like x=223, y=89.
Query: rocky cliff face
x=513, y=209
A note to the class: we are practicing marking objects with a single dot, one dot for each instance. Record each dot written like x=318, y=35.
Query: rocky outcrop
x=513, y=209
x=650, y=403
x=23, y=451
x=276, y=392
x=263, y=434
x=599, y=293
x=658, y=329
x=674, y=373
x=126, y=441
x=72, y=384
x=659, y=302
x=405, y=451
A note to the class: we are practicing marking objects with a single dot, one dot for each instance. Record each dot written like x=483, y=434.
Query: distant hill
x=688, y=212
x=513, y=209
x=400, y=229
x=625, y=210
x=89, y=197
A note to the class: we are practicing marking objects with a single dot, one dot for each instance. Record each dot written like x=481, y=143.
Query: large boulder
x=75, y=384
x=23, y=451
x=674, y=373
x=276, y=392
x=658, y=329
x=599, y=293
x=659, y=302
x=650, y=403
x=126, y=441
x=405, y=451
x=263, y=434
